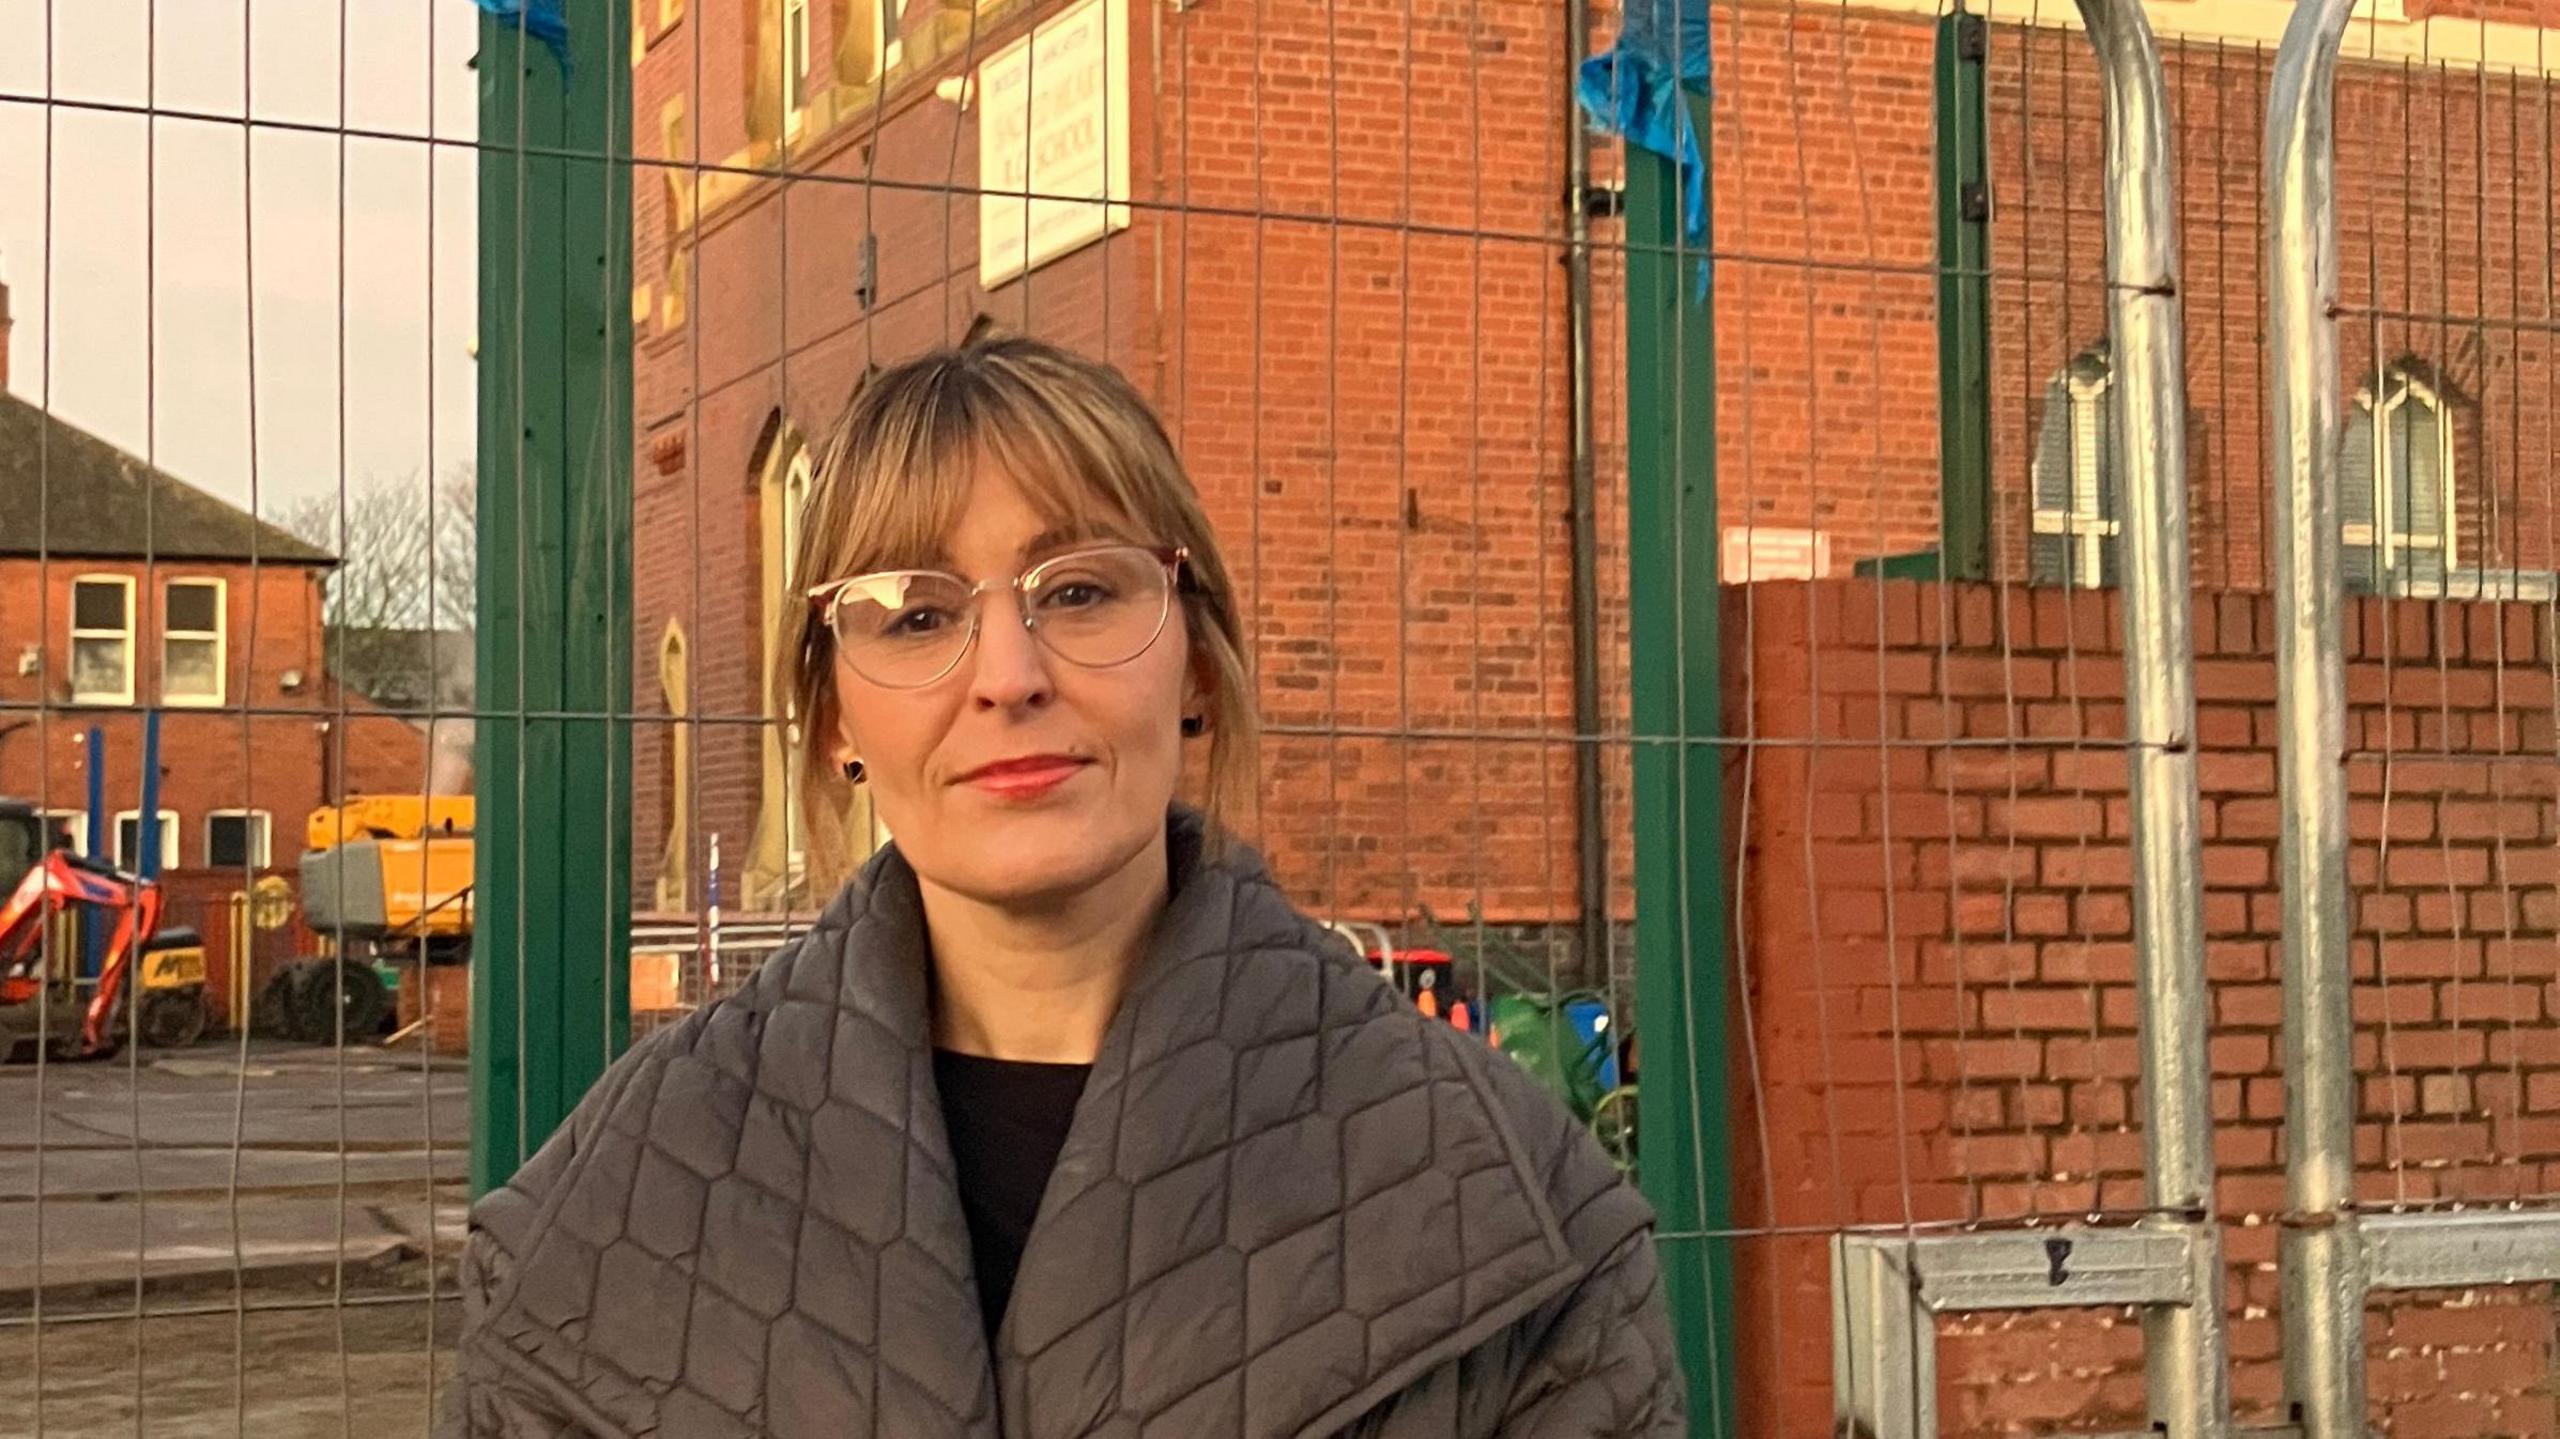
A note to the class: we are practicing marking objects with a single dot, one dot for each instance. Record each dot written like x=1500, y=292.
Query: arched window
x=778, y=858
x=795, y=65
x=795, y=505
x=2396, y=486
x=675, y=690
x=2079, y=513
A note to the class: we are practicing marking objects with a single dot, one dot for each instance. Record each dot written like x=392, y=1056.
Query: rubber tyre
x=326, y=988
x=173, y=1018
x=275, y=1012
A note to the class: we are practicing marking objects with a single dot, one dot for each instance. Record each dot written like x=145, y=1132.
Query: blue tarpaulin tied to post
x=540, y=19
x=1633, y=90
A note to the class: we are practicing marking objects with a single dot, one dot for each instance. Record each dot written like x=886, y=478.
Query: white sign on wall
x=1053, y=140
x=1774, y=552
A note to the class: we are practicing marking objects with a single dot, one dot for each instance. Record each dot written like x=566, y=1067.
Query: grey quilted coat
x=1288, y=1205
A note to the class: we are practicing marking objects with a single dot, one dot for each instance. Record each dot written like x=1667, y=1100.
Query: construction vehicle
x=52, y=993
x=386, y=884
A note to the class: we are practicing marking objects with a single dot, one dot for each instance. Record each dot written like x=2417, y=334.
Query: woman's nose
x=1012, y=666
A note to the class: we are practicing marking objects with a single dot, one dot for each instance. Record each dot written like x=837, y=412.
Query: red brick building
x=1339, y=276
x=124, y=589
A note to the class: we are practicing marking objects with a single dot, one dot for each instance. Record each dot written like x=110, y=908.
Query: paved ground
x=320, y=1194
x=305, y=1374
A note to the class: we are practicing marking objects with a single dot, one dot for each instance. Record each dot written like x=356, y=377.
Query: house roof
x=98, y=502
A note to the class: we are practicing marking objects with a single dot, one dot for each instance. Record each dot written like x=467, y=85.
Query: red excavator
x=43, y=997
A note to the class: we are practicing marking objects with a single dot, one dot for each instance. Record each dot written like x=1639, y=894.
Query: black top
x=1007, y=1120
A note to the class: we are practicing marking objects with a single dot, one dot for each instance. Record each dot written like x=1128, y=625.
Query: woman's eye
x=1075, y=594
x=912, y=623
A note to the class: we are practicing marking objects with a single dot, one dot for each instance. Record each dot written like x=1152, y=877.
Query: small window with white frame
x=795, y=64
x=239, y=839
x=2078, y=516
x=2396, y=486
x=129, y=840
x=66, y=829
x=193, y=648
x=102, y=639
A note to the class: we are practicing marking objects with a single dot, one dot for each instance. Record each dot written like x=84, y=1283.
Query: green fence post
x=1681, y=917
x=552, y=897
x=1964, y=299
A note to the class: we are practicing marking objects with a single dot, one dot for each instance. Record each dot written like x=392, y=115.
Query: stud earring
x=853, y=771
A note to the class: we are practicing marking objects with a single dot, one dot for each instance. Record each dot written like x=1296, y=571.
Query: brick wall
x=2446, y=196
x=1935, y=943
x=1827, y=339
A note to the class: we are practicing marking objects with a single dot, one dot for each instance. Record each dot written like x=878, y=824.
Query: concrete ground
x=301, y=1374
x=319, y=1195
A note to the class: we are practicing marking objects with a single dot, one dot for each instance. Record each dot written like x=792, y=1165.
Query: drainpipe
x=1591, y=835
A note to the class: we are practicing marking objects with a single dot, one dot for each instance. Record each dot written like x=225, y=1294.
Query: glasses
x=1096, y=608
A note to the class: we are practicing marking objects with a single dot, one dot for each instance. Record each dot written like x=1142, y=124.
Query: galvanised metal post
x=2184, y=1345
x=2320, y=1251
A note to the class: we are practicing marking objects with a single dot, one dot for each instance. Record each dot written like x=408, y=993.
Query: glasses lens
x=902, y=627
x=1098, y=607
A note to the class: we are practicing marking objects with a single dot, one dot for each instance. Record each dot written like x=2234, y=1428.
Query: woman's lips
x=1026, y=778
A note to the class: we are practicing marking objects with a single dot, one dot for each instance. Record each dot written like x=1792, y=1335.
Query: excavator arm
x=63, y=881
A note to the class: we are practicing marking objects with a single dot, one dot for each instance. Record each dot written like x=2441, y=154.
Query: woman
x=1061, y=1121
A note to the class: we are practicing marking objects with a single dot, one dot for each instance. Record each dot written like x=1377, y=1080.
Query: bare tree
x=400, y=603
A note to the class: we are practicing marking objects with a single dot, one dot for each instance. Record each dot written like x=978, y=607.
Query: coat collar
x=1285, y=1196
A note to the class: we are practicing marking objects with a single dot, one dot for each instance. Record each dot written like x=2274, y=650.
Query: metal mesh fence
x=1701, y=651
x=235, y=535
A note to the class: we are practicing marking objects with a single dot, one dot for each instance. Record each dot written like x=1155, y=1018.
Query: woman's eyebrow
x=1059, y=537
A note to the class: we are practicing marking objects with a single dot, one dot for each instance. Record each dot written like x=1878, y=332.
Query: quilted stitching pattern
x=1288, y=1206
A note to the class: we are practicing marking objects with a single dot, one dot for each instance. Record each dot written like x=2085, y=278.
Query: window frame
x=888, y=41
x=127, y=635
x=795, y=65
x=263, y=854
x=77, y=819
x=172, y=853
x=2085, y=525
x=219, y=636
x=2386, y=536
x=799, y=478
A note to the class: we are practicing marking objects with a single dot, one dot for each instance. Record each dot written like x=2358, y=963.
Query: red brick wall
x=1375, y=408
x=1826, y=306
x=1826, y=299
x=1935, y=942
x=2442, y=252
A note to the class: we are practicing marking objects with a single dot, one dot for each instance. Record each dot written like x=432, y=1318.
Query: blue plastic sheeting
x=540, y=19
x=1633, y=90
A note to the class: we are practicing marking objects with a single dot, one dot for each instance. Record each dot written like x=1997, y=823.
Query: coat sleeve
x=1604, y=1366
x=488, y=1398
x=1598, y=1362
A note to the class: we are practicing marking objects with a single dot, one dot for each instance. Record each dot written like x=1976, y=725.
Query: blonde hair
x=893, y=476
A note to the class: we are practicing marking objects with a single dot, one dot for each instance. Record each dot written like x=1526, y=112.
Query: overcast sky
x=152, y=281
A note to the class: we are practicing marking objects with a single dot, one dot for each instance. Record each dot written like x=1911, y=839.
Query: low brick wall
x=1933, y=951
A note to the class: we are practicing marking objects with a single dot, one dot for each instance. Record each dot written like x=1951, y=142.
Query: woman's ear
x=843, y=747
x=1199, y=692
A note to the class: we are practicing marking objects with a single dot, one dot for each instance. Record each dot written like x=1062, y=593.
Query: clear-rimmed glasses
x=1095, y=607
